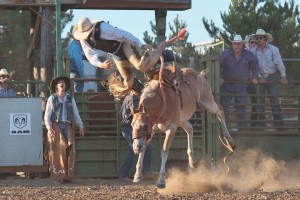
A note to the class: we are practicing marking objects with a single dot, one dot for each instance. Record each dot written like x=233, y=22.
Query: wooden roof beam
x=101, y=4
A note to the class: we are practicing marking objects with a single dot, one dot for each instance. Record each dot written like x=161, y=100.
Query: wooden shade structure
x=101, y=4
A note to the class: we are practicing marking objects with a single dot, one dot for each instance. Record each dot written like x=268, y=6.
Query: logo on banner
x=20, y=123
x=20, y=120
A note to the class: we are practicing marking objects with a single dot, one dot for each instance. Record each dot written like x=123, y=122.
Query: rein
x=180, y=36
x=151, y=122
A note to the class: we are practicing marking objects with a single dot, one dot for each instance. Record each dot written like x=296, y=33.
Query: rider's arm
x=112, y=33
x=90, y=53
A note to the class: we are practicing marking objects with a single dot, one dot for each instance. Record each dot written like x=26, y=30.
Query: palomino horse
x=165, y=109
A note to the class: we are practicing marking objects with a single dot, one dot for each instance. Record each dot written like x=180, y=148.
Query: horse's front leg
x=161, y=182
x=138, y=176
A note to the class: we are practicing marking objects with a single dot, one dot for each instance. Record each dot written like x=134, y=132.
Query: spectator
x=127, y=50
x=237, y=64
x=271, y=72
x=250, y=41
x=76, y=62
x=251, y=88
x=5, y=90
x=60, y=111
x=129, y=107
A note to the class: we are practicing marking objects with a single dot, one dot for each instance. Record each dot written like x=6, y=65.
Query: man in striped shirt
x=271, y=73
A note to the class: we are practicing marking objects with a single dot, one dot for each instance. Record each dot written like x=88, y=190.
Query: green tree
x=15, y=39
x=246, y=16
x=181, y=47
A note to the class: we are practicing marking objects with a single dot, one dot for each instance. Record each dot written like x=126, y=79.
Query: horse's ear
x=133, y=111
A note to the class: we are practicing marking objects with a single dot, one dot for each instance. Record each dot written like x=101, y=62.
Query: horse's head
x=141, y=131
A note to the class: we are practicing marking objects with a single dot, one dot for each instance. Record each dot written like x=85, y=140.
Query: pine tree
x=246, y=16
x=183, y=48
x=15, y=40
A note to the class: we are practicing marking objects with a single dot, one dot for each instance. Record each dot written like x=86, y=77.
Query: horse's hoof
x=161, y=185
x=137, y=179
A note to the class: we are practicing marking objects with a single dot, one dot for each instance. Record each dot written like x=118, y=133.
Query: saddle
x=171, y=72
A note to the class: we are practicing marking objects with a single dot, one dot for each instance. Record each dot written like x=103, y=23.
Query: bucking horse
x=164, y=109
x=167, y=102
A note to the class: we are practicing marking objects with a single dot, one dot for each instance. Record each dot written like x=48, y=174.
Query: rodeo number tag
x=20, y=123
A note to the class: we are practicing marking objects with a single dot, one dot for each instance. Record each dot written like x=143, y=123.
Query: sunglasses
x=4, y=76
x=252, y=42
x=260, y=38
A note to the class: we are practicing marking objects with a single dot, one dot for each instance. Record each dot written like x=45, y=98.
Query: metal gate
x=103, y=149
x=283, y=143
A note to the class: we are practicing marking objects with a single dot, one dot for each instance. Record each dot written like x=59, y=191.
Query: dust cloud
x=249, y=171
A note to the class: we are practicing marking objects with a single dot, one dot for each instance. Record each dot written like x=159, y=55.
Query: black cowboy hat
x=66, y=79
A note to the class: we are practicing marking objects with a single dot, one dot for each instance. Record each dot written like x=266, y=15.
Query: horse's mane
x=149, y=89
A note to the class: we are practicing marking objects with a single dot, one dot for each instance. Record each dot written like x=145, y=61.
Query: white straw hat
x=261, y=32
x=4, y=72
x=238, y=38
x=84, y=28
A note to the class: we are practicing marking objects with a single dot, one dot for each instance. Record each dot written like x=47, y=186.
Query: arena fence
x=281, y=143
x=103, y=150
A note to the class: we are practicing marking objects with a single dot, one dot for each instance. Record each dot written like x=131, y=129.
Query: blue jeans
x=272, y=88
x=64, y=129
x=78, y=85
x=240, y=101
x=131, y=157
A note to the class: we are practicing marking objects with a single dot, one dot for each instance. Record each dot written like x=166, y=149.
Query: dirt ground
x=22, y=188
x=252, y=175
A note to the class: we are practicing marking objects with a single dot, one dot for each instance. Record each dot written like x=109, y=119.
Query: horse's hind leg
x=190, y=150
x=210, y=105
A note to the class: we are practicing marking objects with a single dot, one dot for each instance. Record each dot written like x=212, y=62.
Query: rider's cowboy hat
x=261, y=32
x=84, y=28
x=54, y=82
x=238, y=38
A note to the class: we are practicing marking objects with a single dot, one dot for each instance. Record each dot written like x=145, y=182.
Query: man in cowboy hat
x=238, y=66
x=5, y=90
x=127, y=50
x=271, y=72
x=60, y=111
